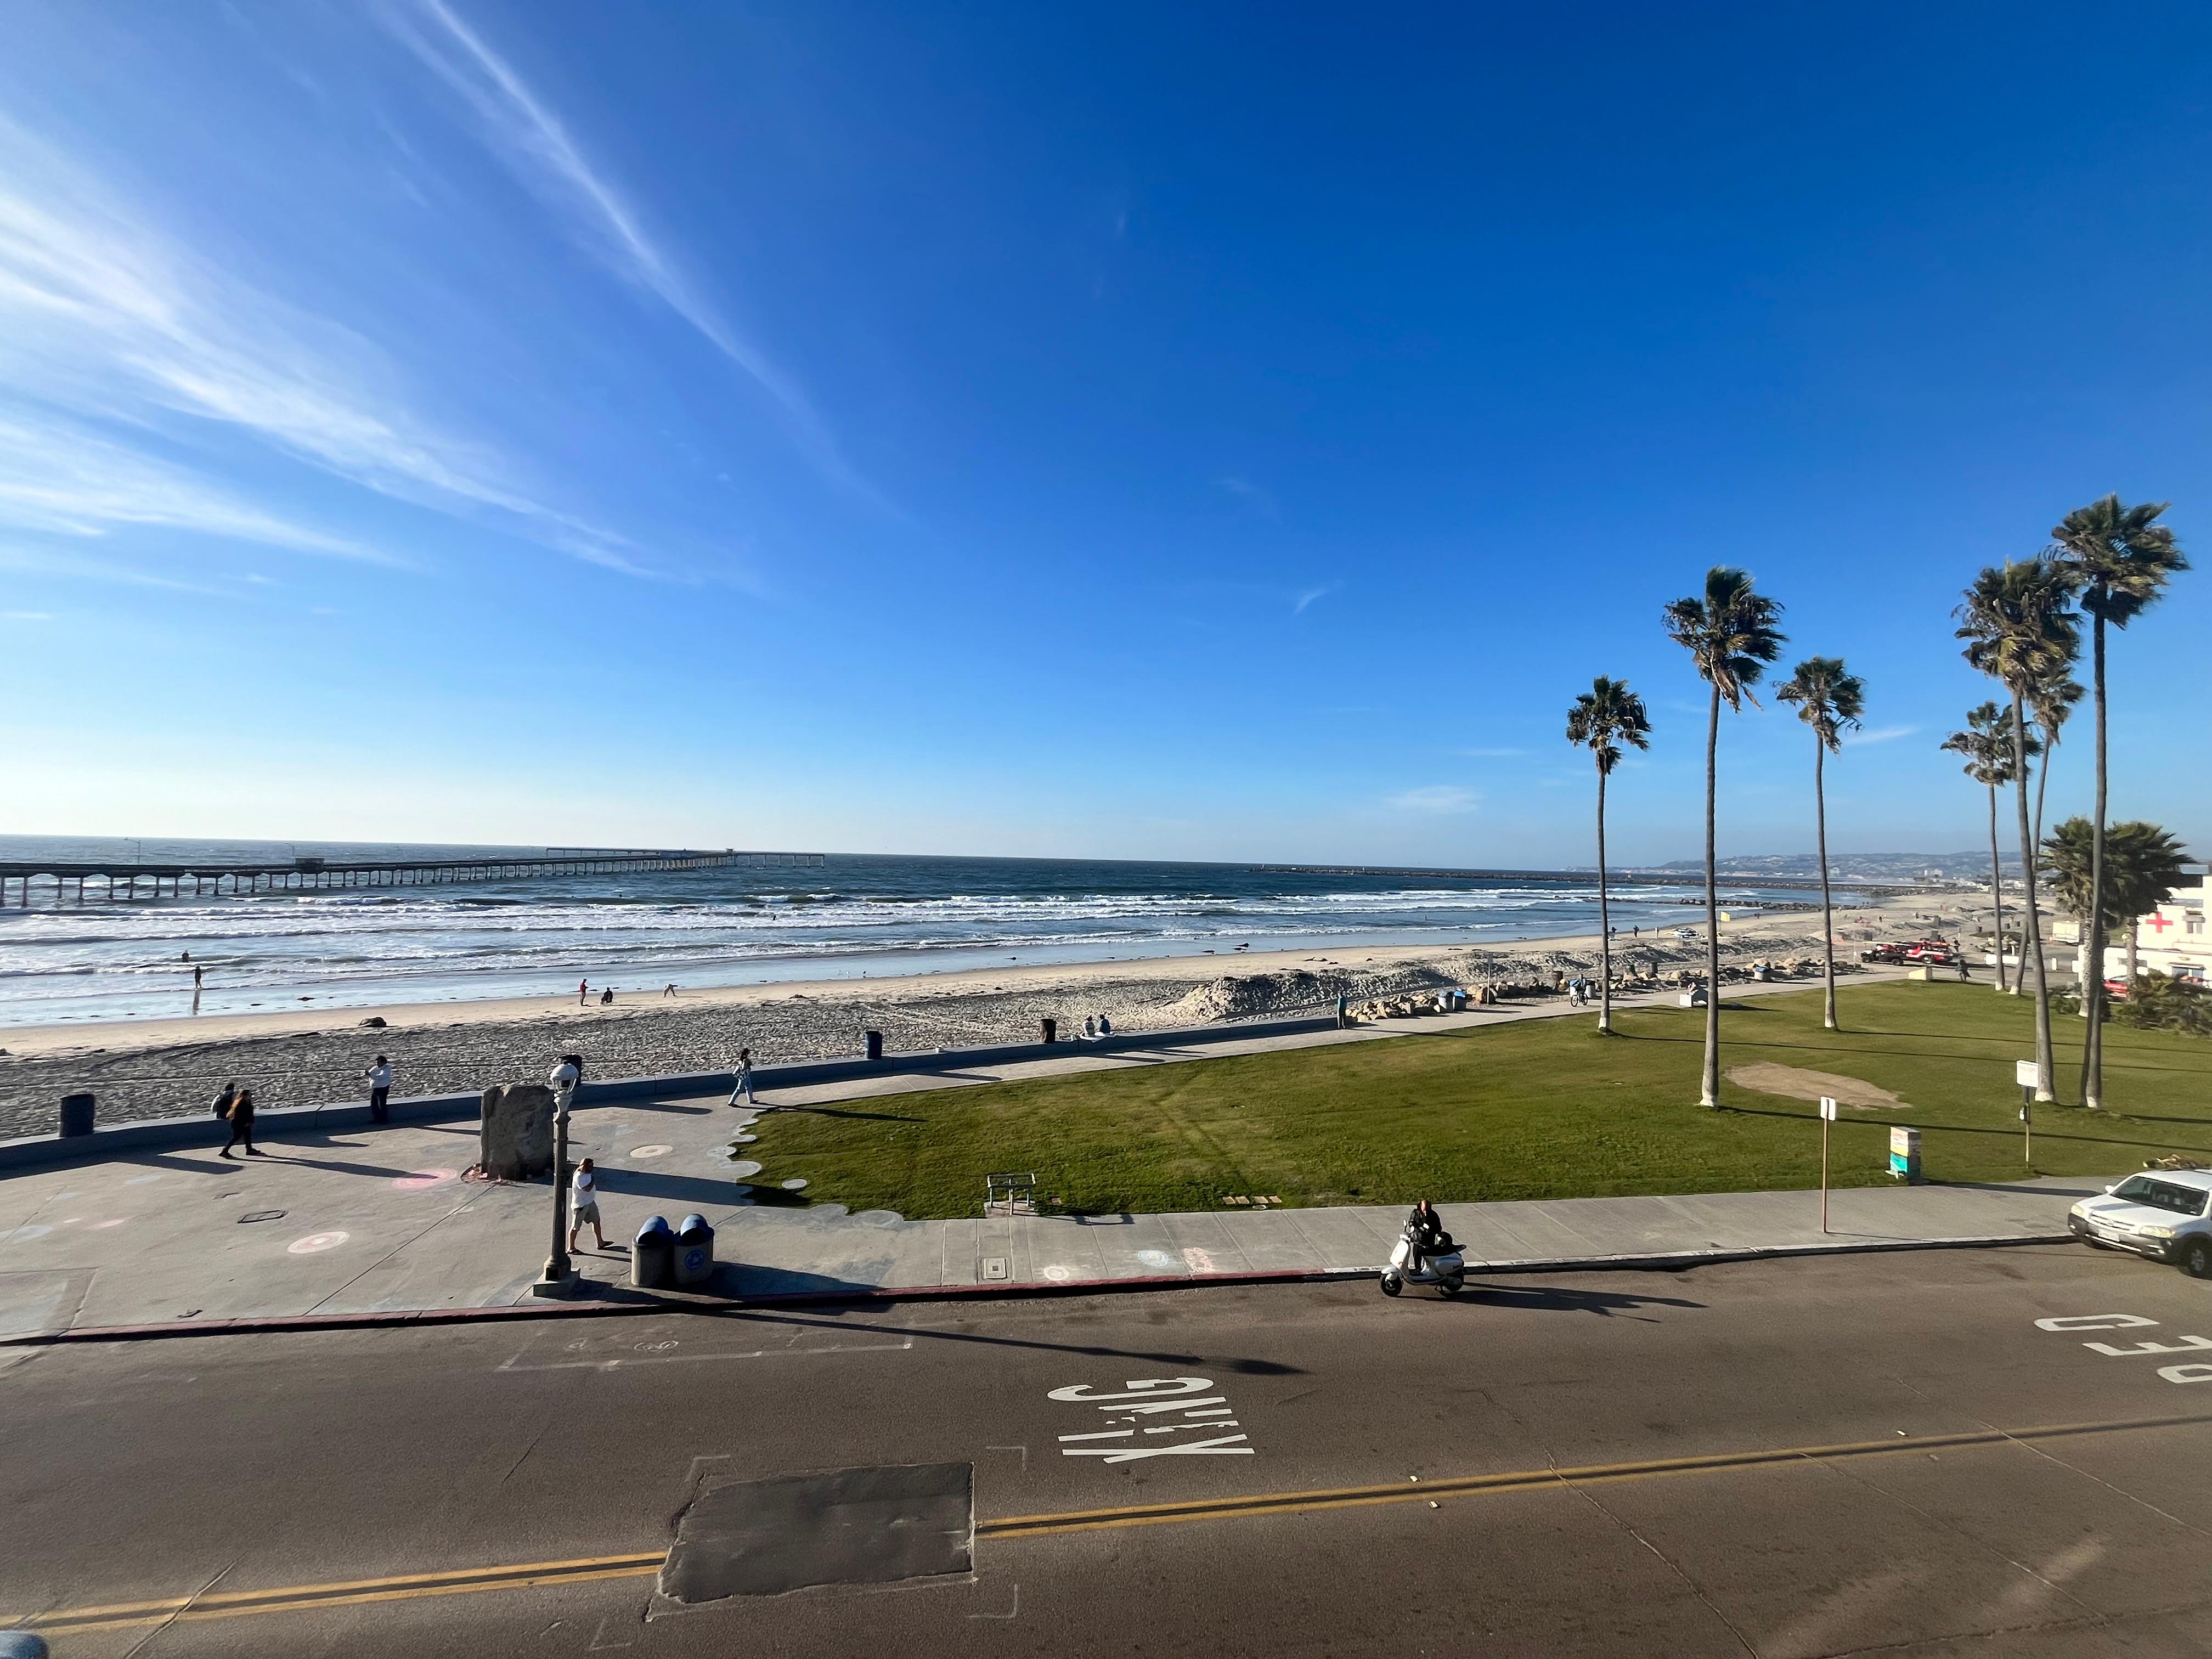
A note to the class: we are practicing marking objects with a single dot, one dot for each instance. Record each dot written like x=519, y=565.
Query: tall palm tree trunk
x=1604, y=920
x=2031, y=940
x=1827, y=910
x=2092, y=996
x=1996, y=889
x=1709, y=1085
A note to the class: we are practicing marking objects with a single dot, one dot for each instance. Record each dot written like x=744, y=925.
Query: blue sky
x=1095, y=430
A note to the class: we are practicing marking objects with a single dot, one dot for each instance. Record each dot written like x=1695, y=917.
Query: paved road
x=1812, y=1456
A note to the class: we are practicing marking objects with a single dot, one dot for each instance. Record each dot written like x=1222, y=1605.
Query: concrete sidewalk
x=378, y=1222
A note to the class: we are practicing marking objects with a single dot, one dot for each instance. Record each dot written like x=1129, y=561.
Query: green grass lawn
x=1540, y=1109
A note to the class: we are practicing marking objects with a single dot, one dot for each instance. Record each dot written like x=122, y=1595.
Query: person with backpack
x=240, y=1117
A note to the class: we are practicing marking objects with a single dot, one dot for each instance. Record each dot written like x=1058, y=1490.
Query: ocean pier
x=116, y=881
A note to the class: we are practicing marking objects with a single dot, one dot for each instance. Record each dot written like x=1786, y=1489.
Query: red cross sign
x=2159, y=924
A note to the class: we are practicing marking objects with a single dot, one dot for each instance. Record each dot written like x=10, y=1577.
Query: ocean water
x=851, y=916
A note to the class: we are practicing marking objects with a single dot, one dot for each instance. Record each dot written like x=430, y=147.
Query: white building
x=2175, y=939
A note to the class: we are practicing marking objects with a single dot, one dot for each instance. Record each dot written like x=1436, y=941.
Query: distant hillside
x=1862, y=866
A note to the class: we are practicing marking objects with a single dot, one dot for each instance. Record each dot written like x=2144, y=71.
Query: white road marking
x=621, y=1361
x=2182, y=1347
x=2186, y=1373
x=2093, y=1322
x=1154, y=1397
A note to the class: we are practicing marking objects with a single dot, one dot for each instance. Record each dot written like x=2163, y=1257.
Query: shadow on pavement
x=1552, y=1298
x=829, y=1323
x=678, y=1189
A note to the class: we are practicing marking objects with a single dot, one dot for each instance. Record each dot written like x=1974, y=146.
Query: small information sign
x=1828, y=1108
x=2023, y=1074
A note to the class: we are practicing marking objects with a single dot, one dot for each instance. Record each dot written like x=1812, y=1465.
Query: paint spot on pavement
x=314, y=1243
x=651, y=1151
x=416, y=1180
x=1158, y=1259
x=744, y=1166
x=139, y=1180
x=25, y=1235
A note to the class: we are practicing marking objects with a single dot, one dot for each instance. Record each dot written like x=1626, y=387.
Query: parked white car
x=2166, y=1215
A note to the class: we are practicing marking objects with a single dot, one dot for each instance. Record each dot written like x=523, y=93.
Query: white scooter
x=1446, y=1269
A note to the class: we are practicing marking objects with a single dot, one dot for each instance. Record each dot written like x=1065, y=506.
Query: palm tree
x=2143, y=864
x=1604, y=717
x=1989, y=762
x=2019, y=626
x=1830, y=699
x=2051, y=705
x=1728, y=631
x=2121, y=558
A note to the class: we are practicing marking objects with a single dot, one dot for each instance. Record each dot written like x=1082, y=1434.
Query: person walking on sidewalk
x=379, y=1091
x=242, y=1124
x=745, y=1084
x=583, y=1205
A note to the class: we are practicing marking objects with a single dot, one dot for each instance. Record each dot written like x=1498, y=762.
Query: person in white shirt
x=583, y=1205
x=379, y=1091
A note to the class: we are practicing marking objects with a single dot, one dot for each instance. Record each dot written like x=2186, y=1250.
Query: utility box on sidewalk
x=77, y=1111
x=695, y=1251
x=652, y=1255
x=1905, y=1154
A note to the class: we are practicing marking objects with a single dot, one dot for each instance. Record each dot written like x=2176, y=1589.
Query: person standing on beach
x=379, y=1091
x=744, y=1078
x=583, y=1205
x=198, y=975
x=583, y=991
x=242, y=1124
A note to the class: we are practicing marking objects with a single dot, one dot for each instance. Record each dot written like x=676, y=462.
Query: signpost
x=2024, y=1074
x=1828, y=1116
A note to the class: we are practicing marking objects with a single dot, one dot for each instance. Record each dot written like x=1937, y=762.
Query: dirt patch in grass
x=1796, y=1083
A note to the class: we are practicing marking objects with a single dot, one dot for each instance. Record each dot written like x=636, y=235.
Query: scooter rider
x=1426, y=1231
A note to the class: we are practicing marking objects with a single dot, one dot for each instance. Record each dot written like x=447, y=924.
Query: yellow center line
x=591, y=1569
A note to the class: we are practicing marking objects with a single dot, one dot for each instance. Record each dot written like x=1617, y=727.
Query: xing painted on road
x=537, y=1574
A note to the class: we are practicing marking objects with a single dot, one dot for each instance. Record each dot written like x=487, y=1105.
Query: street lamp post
x=560, y=1275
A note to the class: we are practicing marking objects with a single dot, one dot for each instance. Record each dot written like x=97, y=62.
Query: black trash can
x=652, y=1255
x=77, y=1114
x=875, y=1044
x=695, y=1251
x=1051, y=1031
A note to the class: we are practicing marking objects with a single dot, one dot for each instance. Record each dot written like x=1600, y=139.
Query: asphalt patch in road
x=863, y=1526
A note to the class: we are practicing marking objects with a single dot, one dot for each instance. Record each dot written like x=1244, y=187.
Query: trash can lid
x=694, y=1223
x=658, y=1223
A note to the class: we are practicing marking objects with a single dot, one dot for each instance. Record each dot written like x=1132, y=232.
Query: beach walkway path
x=373, y=1222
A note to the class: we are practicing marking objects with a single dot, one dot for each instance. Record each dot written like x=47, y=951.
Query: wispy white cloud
x=1879, y=734
x=60, y=479
x=26, y=616
x=1306, y=596
x=1436, y=800
x=1256, y=499
x=535, y=143
x=104, y=315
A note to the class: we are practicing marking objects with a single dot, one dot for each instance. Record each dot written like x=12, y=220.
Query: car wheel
x=2197, y=1258
x=1392, y=1285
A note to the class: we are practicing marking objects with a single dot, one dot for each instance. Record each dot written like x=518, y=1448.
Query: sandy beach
x=170, y=1066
